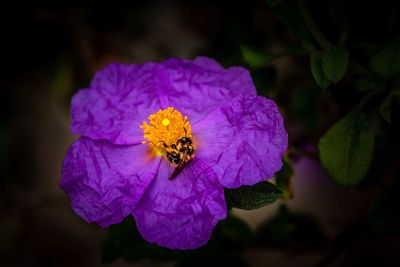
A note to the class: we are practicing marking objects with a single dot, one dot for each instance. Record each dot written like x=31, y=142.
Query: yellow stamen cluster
x=165, y=128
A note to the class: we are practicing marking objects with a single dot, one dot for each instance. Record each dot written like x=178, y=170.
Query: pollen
x=165, y=128
x=165, y=122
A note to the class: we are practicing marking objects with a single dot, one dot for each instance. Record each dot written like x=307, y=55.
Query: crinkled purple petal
x=116, y=104
x=181, y=213
x=105, y=181
x=122, y=96
x=199, y=86
x=244, y=141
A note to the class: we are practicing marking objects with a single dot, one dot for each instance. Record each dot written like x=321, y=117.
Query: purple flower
x=160, y=141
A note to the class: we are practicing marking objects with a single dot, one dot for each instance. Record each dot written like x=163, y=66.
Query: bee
x=179, y=154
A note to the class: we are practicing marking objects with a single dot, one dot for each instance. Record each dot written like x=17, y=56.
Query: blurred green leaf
x=284, y=178
x=386, y=61
x=346, y=149
x=384, y=213
x=334, y=62
x=255, y=58
x=317, y=70
x=253, y=197
x=386, y=107
x=274, y=3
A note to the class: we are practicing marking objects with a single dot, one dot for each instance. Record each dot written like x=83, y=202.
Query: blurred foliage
x=255, y=58
x=229, y=240
x=290, y=230
x=224, y=248
x=357, y=61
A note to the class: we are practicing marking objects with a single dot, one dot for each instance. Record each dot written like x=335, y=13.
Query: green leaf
x=318, y=71
x=253, y=197
x=386, y=61
x=386, y=107
x=335, y=62
x=255, y=58
x=346, y=149
x=384, y=213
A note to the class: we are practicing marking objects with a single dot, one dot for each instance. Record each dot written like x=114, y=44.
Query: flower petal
x=199, y=86
x=104, y=181
x=181, y=213
x=116, y=104
x=244, y=141
x=122, y=96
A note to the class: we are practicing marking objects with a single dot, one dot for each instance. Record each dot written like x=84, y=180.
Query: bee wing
x=180, y=166
x=183, y=160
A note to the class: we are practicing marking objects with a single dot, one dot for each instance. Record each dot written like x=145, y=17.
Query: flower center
x=169, y=134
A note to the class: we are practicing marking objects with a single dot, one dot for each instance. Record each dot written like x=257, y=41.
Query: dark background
x=50, y=52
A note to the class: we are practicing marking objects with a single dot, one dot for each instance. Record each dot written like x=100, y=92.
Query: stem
x=313, y=27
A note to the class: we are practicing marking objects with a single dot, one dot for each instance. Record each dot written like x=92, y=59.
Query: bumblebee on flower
x=160, y=141
x=169, y=135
